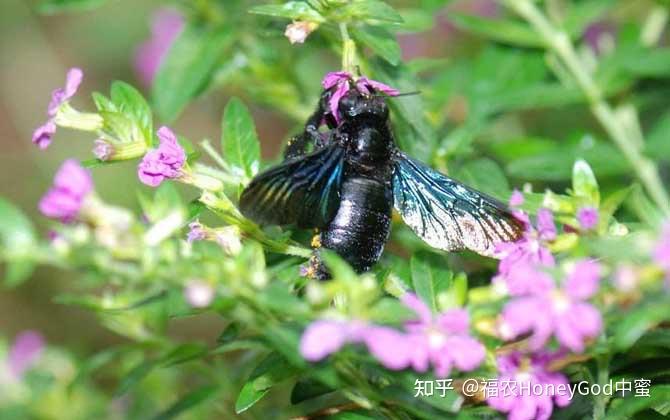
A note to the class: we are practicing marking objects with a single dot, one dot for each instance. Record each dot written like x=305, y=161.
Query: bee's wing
x=303, y=191
x=448, y=215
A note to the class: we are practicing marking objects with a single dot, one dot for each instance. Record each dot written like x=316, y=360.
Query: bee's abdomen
x=362, y=224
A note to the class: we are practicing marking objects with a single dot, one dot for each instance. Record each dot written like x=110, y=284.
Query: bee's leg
x=315, y=268
x=298, y=144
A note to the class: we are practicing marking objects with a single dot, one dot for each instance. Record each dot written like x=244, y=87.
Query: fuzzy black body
x=347, y=187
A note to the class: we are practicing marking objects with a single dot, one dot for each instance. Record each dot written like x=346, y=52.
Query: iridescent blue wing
x=448, y=215
x=304, y=191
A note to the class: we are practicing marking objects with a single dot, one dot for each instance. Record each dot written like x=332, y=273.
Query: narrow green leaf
x=639, y=321
x=505, y=31
x=658, y=146
x=625, y=408
x=188, y=401
x=380, y=41
x=372, y=11
x=429, y=281
x=133, y=377
x=296, y=10
x=59, y=6
x=307, y=389
x=188, y=67
x=17, y=242
x=239, y=140
x=271, y=370
x=584, y=184
x=183, y=353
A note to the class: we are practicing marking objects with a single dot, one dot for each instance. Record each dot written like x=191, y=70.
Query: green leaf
x=188, y=67
x=296, y=10
x=647, y=62
x=229, y=334
x=580, y=14
x=271, y=370
x=337, y=266
x=130, y=101
x=307, y=389
x=17, y=243
x=59, y=6
x=239, y=141
x=657, y=145
x=183, y=353
x=505, y=31
x=380, y=41
x=639, y=321
x=136, y=374
x=485, y=175
x=188, y=401
x=584, y=184
x=625, y=408
x=372, y=10
x=428, y=281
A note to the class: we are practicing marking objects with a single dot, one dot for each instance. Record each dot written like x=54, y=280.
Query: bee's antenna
x=417, y=92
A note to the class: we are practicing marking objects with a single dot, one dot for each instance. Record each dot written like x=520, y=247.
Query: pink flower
x=43, y=134
x=165, y=162
x=166, y=25
x=517, y=199
x=588, y=218
x=526, y=253
x=342, y=81
x=72, y=184
x=662, y=250
x=441, y=340
x=600, y=36
x=562, y=312
x=324, y=337
x=24, y=352
x=513, y=391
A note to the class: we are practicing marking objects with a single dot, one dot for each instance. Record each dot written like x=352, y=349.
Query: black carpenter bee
x=347, y=186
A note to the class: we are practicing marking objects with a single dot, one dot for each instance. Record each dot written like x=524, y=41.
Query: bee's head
x=356, y=106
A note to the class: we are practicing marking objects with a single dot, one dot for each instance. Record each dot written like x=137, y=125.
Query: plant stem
x=348, y=50
x=601, y=399
x=558, y=42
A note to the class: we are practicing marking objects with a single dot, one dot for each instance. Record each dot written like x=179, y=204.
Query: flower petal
x=363, y=84
x=335, y=77
x=321, y=338
x=466, y=352
x=390, y=347
x=43, y=134
x=583, y=280
x=413, y=302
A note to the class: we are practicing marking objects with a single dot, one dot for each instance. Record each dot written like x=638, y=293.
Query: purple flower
x=662, y=250
x=166, y=25
x=441, y=340
x=600, y=36
x=72, y=184
x=62, y=95
x=515, y=391
x=562, y=312
x=588, y=218
x=162, y=163
x=368, y=87
x=196, y=232
x=43, y=134
x=343, y=80
x=102, y=149
x=25, y=351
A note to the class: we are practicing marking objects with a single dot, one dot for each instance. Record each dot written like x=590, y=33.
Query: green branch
x=558, y=42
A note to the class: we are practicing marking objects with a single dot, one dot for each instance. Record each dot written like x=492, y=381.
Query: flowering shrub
x=580, y=298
